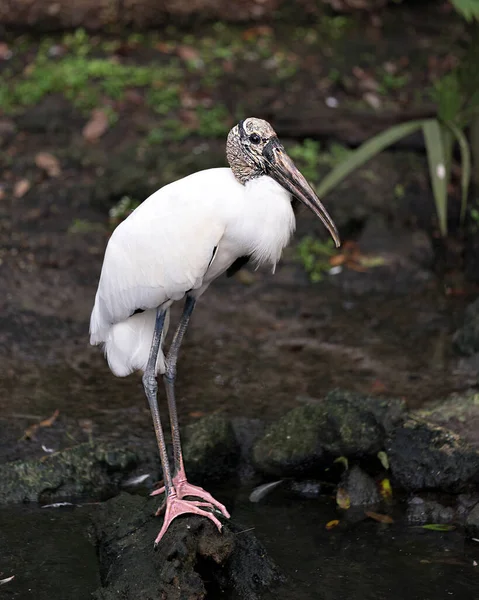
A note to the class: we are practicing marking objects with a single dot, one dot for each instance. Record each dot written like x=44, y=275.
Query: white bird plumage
x=175, y=244
x=182, y=238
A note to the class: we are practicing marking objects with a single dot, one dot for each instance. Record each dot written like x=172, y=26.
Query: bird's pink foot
x=176, y=506
x=183, y=489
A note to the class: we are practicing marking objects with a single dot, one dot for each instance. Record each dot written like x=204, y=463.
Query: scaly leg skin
x=180, y=483
x=183, y=489
x=176, y=506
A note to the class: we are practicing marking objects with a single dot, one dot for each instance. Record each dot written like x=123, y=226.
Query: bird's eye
x=254, y=138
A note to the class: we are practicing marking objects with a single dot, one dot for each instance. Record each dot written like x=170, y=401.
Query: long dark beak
x=283, y=169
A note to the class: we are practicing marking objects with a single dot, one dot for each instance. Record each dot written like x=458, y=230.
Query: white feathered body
x=177, y=241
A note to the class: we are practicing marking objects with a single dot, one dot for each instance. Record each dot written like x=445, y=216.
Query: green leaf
x=469, y=9
x=437, y=159
x=367, y=151
x=438, y=527
x=465, y=164
x=383, y=457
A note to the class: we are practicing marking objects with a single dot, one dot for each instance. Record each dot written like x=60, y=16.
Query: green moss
x=309, y=437
x=83, y=469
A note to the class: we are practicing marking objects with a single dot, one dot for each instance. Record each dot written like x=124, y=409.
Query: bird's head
x=253, y=149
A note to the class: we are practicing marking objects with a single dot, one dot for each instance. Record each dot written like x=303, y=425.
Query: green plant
x=469, y=9
x=457, y=98
x=308, y=156
x=314, y=255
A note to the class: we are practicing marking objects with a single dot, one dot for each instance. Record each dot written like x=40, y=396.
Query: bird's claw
x=176, y=506
x=183, y=489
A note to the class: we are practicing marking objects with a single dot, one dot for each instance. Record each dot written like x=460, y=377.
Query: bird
x=172, y=247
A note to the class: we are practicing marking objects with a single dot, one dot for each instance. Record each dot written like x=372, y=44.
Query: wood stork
x=173, y=246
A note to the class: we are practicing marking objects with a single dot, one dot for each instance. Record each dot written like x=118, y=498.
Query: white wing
x=162, y=249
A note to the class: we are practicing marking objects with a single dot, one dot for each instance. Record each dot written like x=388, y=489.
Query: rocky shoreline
x=344, y=446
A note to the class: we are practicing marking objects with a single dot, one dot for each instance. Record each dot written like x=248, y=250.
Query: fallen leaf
x=342, y=498
x=438, y=527
x=379, y=517
x=343, y=461
x=371, y=261
x=48, y=163
x=337, y=260
x=30, y=431
x=378, y=387
x=165, y=47
x=96, y=126
x=254, y=32
x=383, y=457
x=187, y=53
x=373, y=100
x=21, y=188
x=332, y=524
x=385, y=489
x=5, y=52
x=196, y=414
x=6, y=580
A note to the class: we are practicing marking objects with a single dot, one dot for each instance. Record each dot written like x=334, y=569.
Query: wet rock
x=211, y=452
x=421, y=511
x=425, y=456
x=459, y=413
x=466, y=338
x=84, y=470
x=342, y=424
x=360, y=487
x=465, y=503
x=247, y=432
x=192, y=561
x=387, y=412
x=472, y=522
x=308, y=488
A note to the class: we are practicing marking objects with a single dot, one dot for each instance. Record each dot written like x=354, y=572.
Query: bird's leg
x=174, y=504
x=182, y=487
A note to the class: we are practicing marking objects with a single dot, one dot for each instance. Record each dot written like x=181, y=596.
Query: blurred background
x=103, y=103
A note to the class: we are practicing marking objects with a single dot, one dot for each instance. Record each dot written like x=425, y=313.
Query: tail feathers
x=127, y=344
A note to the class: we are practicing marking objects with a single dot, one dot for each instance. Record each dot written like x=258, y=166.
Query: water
x=49, y=552
x=365, y=560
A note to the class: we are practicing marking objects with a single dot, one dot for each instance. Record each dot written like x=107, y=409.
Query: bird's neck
x=244, y=169
x=267, y=221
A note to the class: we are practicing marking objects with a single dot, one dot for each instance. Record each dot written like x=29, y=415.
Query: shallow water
x=51, y=557
x=365, y=560
x=48, y=552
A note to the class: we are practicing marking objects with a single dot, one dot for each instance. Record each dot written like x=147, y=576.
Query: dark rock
x=465, y=503
x=308, y=488
x=360, y=487
x=472, y=522
x=459, y=414
x=421, y=511
x=211, y=451
x=83, y=470
x=192, y=561
x=426, y=456
x=247, y=432
x=342, y=424
x=466, y=338
x=387, y=412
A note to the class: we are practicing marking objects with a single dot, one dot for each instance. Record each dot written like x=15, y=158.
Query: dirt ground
x=258, y=344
